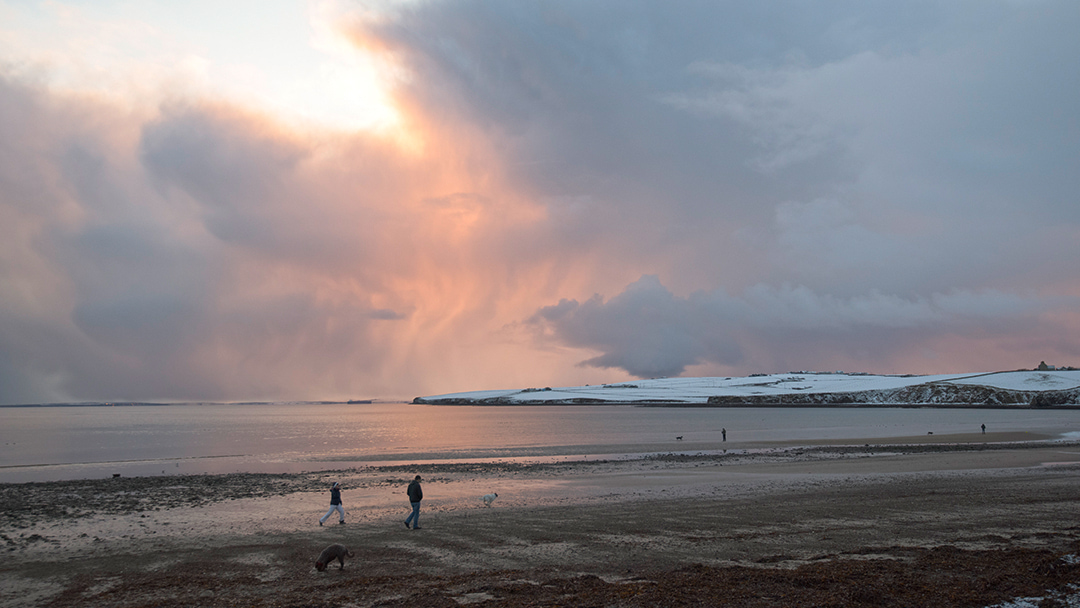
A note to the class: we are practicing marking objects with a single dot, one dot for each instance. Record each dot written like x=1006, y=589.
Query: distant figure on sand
x=723, y=433
x=984, y=429
x=416, y=494
x=335, y=504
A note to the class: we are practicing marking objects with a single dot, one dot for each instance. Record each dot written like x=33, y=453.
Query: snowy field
x=698, y=390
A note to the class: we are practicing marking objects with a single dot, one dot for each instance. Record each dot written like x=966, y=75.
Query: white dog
x=489, y=498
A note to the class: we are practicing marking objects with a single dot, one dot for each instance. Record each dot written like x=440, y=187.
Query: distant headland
x=1043, y=387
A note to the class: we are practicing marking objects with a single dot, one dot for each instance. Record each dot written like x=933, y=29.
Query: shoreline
x=596, y=526
x=993, y=437
x=228, y=464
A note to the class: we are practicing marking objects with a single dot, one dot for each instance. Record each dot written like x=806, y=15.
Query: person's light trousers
x=340, y=509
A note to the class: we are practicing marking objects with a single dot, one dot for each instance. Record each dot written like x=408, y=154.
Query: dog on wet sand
x=329, y=554
x=489, y=498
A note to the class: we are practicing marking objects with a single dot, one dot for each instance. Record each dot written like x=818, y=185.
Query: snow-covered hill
x=1000, y=389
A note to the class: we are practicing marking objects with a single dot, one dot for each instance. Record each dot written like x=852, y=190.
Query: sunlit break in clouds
x=329, y=200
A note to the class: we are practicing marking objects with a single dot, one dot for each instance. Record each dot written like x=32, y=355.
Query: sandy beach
x=971, y=520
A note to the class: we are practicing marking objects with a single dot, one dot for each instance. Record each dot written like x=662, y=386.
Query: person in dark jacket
x=416, y=494
x=335, y=504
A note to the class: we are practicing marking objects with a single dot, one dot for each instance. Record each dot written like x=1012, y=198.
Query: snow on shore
x=802, y=388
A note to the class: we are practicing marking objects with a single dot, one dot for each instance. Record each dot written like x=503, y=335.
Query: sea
x=52, y=443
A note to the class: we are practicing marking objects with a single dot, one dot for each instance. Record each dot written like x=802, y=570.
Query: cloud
x=763, y=187
x=701, y=123
x=207, y=251
x=645, y=330
x=649, y=332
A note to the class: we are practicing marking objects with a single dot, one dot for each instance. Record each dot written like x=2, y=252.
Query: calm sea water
x=53, y=443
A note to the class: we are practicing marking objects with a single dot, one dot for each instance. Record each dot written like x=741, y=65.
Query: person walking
x=335, y=504
x=416, y=494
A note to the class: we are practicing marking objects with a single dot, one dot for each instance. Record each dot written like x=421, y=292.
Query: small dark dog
x=329, y=554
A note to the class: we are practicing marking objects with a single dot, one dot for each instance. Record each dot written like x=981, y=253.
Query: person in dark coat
x=416, y=494
x=335, y=504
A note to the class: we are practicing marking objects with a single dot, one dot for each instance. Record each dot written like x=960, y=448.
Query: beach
x=958, y=520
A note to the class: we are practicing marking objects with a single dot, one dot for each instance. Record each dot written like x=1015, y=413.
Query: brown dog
x=329, y=554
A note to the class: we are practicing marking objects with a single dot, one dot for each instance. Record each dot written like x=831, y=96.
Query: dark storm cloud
x=672, y=122
x=646, y=330
x=649, y=332
x=882, y=159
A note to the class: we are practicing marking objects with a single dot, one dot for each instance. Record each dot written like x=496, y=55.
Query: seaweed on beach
x=21, y=503
x=897, y=577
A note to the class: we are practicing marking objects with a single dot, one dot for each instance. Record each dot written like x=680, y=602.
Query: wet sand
x=944, y=521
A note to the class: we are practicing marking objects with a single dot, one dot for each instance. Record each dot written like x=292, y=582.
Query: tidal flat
x=937, y=521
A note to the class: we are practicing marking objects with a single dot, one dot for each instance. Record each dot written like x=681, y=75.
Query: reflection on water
x=73, y=442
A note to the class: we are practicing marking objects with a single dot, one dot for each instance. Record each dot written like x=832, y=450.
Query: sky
x=334, y=199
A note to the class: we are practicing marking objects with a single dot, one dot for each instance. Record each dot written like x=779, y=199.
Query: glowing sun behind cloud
x=287, y=59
